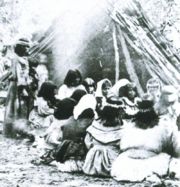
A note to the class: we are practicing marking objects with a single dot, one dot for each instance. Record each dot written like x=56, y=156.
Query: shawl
x=102, y=134
x=87, y=101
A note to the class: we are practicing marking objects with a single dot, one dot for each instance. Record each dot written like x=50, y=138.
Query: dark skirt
x=69, y=149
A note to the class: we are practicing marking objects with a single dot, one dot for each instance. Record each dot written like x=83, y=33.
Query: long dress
x=145, y=152
x=102, y=143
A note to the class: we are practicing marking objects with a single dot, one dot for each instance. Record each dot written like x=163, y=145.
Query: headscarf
x=99, y=87
x=87, y=101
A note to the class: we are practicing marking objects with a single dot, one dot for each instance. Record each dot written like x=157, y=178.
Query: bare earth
x=16, y=170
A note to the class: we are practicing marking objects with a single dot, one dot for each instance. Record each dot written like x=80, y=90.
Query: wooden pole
x=116, y=53
x=129, y=64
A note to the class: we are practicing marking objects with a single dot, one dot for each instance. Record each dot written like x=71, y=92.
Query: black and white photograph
x=90, y=93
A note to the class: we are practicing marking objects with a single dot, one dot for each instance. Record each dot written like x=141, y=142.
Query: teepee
x=134, y=29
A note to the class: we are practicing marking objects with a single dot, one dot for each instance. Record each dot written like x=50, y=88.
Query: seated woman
x=146, y=147
x=124, y=94
x=168, y=105
x=41, y=114
x=44, y=106
x=72, y=82
x=102, y=141
x=62, y=114
x=101, y=93
x=71, y=151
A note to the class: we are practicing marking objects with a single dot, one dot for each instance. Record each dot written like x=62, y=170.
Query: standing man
x=17, y=105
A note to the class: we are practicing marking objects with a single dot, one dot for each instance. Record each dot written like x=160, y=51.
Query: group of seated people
x=107, y=130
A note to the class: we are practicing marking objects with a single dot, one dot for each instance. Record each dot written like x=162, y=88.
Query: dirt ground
x=16, y=170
